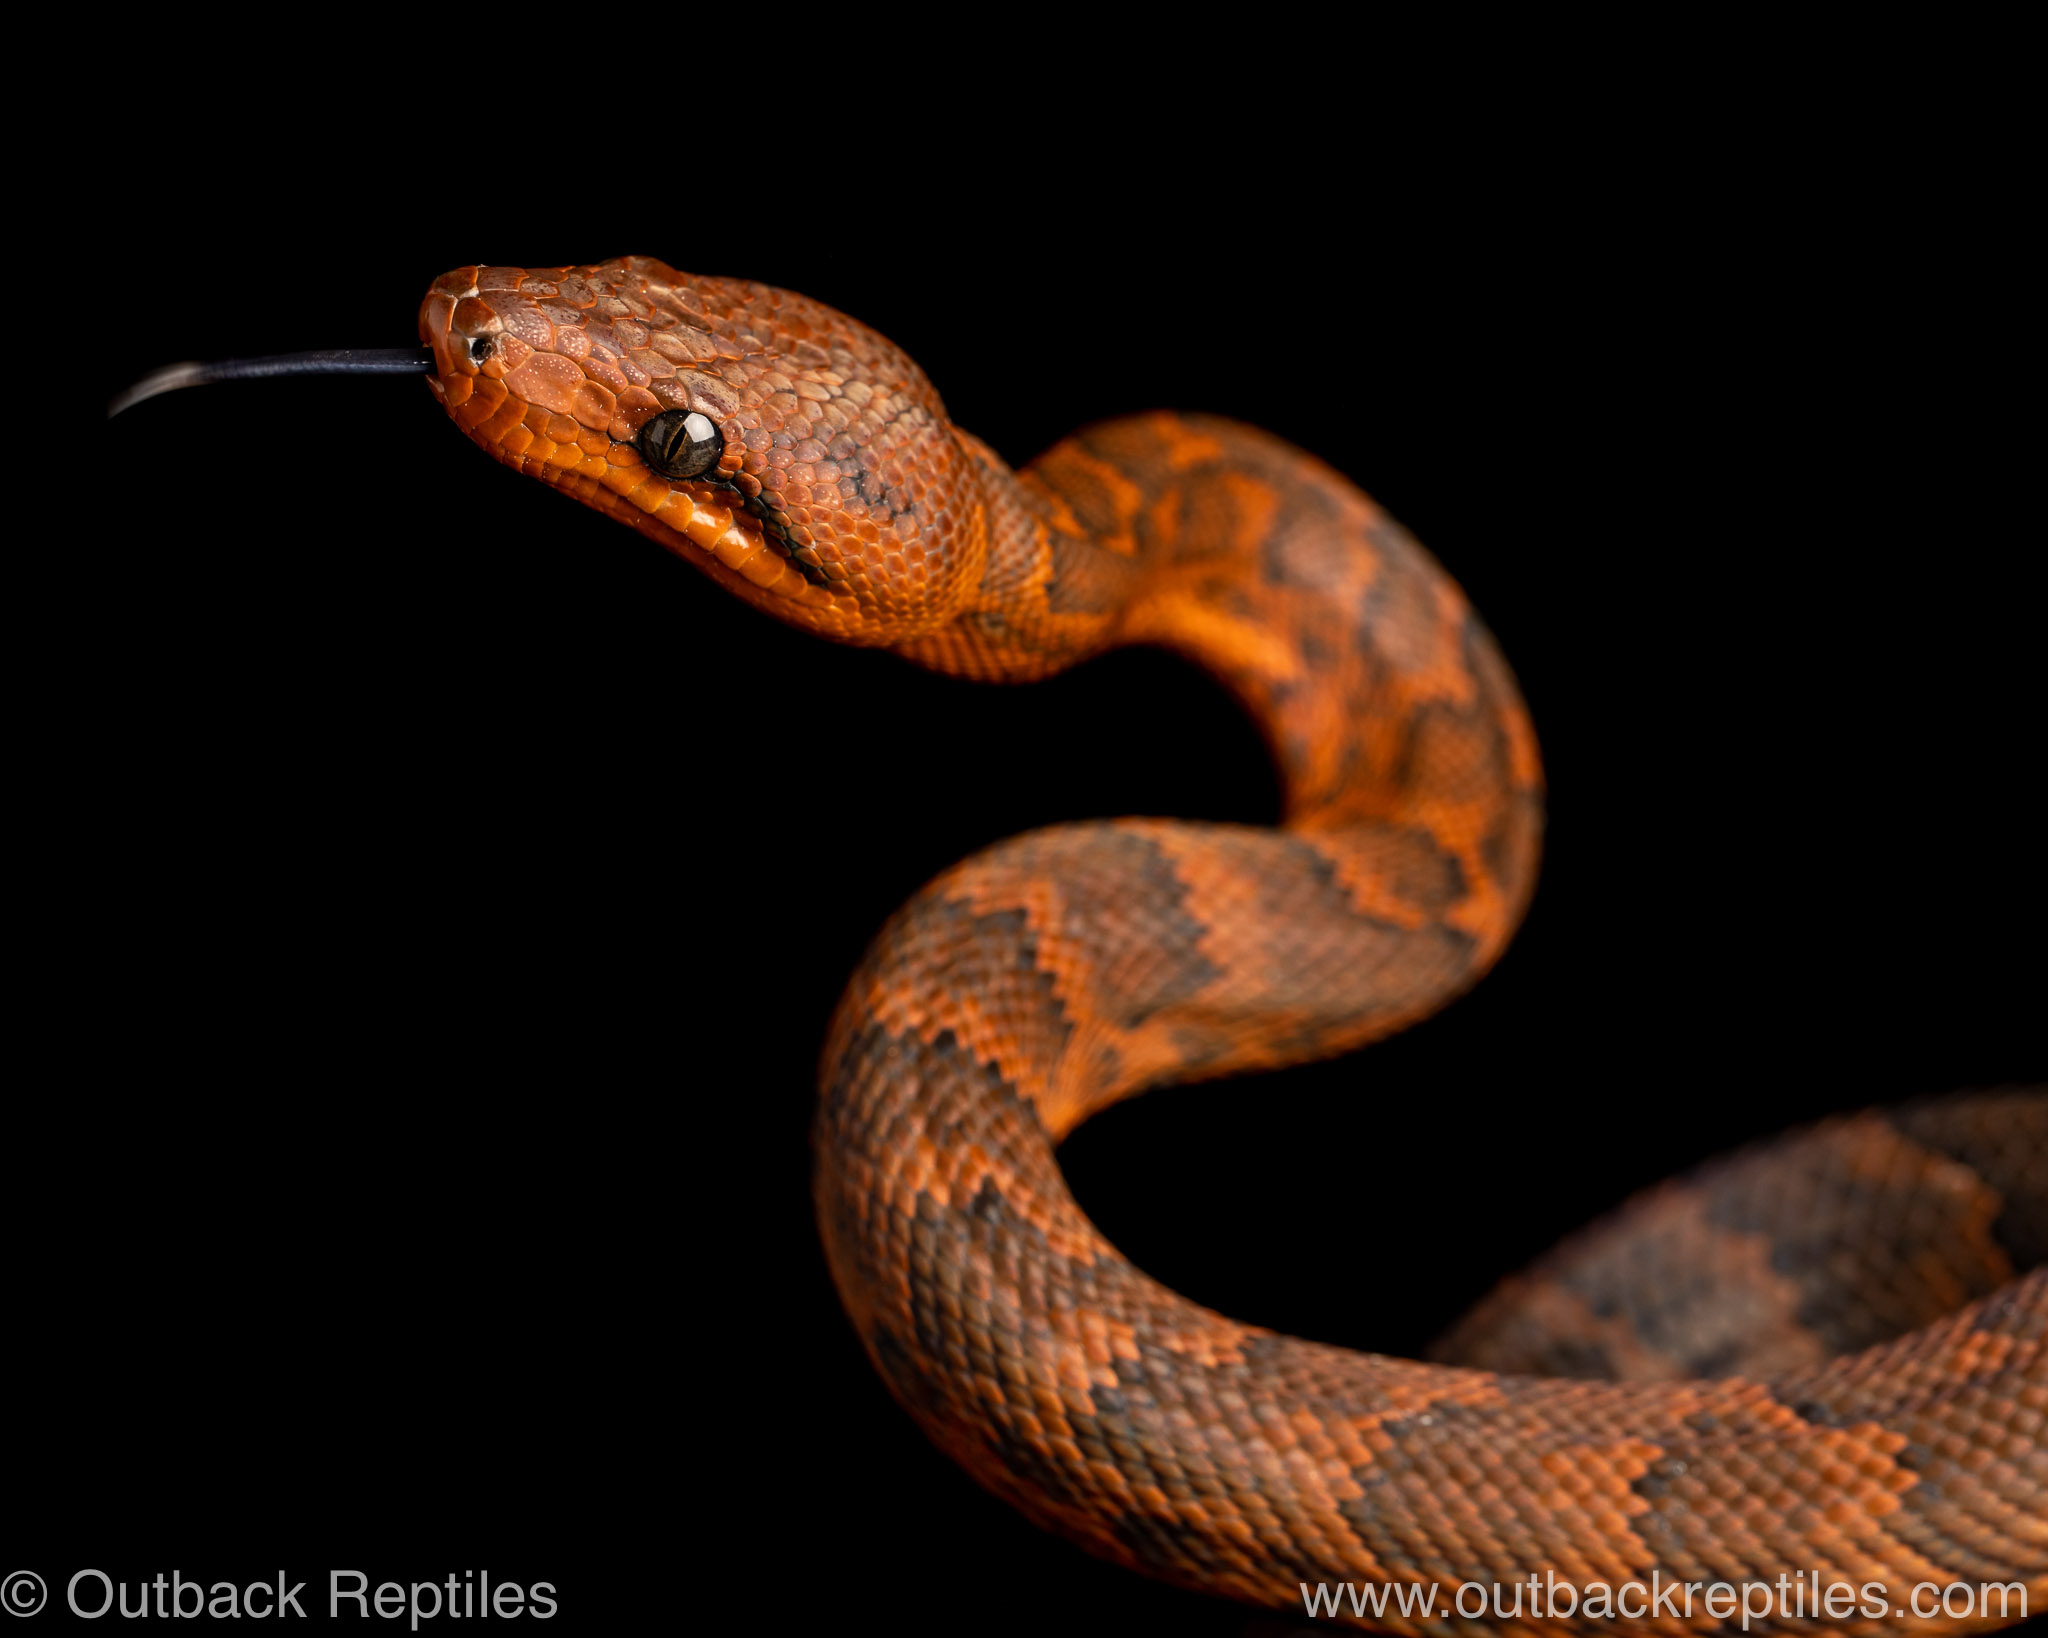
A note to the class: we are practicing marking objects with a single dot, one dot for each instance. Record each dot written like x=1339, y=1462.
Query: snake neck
x=1396, y=725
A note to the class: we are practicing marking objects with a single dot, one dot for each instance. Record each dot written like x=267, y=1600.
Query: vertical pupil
x=684, y=444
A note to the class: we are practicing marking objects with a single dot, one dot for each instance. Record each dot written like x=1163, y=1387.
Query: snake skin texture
x=1822, y=1359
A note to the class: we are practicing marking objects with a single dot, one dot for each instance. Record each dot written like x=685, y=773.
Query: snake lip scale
x=1822, y=1356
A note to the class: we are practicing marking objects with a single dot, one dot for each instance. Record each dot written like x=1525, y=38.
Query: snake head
x=791, y=453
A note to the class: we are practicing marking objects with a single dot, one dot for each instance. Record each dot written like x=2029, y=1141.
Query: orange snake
x=1766, y=1426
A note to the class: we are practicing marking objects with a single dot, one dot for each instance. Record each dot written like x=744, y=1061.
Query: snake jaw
x=834, y=504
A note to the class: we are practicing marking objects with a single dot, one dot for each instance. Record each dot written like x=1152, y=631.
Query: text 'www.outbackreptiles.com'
x=1790, y=1597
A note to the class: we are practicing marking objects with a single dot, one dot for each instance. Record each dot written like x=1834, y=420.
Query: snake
x=1818, y=1368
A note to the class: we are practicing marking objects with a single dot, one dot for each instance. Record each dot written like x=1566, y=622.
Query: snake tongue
x=332, y=361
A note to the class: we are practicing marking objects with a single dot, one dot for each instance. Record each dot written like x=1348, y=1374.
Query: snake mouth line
x=705, y=523
x=774, y=525
x=738, y=538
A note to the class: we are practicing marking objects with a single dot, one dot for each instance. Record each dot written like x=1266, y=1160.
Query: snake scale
x=1821, y=1362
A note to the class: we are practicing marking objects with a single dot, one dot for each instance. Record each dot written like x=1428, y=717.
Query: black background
x=440, y=892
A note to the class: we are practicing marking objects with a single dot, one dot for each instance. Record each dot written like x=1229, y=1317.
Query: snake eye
x=479, y=349
x=681, y=444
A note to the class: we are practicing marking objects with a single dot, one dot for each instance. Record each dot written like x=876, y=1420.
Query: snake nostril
x=479, y=349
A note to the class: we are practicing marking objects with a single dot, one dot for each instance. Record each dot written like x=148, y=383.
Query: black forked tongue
x=334, y=361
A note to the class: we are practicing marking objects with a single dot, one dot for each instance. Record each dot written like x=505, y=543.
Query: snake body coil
x=1827, y=1367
